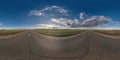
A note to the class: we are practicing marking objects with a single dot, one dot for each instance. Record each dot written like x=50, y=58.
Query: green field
x=58, y=32
x=109, y=32
x=9, y=32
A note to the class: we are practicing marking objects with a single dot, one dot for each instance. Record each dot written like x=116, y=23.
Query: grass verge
x=9, y=32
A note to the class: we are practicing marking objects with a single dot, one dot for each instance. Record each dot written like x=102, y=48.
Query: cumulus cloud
x=81, y=15
x=44, y=11
x=84, y=20
x=65, y=21
x=95, y=21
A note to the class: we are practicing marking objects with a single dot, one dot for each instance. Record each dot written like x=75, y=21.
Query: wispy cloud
x=84, y=20
x=95, y=21
x=92, y=21
x=65, y=21
x=81, y=15
x=117, y=23
x=36, y=13
x=44, y=11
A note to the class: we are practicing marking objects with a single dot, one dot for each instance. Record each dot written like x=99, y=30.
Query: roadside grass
x=9, y=32
x=109, y=32
x=58, y=32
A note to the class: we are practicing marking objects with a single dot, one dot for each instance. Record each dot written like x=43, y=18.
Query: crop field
x=58, y=32
x=109, y=32
x=9, y=32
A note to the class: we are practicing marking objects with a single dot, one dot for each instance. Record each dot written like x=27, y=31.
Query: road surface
x=84, y=46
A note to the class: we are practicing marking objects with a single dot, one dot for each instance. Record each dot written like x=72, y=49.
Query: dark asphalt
x=85, y=46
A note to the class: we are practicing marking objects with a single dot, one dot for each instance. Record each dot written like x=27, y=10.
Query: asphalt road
x=88, y=45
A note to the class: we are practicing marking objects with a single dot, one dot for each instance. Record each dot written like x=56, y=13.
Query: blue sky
x=17, y=13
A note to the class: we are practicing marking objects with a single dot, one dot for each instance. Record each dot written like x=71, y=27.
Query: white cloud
x=81, y=15
x=84, y=20
x=65, y=21
x=95, y=21
x=43, y=11
x=76, y=21
x=36, y=13
x=117, y=23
